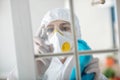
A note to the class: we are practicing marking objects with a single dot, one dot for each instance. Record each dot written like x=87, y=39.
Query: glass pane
x=95, y=23
x=52, y=34
x=109, y=66
x=97, y=26
x=55, y=68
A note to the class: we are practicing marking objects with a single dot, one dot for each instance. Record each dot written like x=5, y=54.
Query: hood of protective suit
x=57, y=14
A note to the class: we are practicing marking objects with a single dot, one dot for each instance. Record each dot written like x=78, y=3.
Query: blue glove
x=84, y=60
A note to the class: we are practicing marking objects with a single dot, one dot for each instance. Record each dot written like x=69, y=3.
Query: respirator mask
x=62, y=42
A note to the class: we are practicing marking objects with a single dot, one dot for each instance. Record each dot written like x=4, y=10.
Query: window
x=23, y=40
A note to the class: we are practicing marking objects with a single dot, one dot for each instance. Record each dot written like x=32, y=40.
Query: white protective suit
x=53, y=68
x=56, y=67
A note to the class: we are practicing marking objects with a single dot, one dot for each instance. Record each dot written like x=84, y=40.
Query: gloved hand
x=41, y=47
x=93, y=67
x=42, y=63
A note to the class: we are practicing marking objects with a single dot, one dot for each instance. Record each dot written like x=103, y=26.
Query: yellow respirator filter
x=66, y=47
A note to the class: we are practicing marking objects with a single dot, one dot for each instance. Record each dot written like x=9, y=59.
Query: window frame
x=22, y=22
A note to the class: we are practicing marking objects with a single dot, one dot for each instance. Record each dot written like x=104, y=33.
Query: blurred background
x=98, y=28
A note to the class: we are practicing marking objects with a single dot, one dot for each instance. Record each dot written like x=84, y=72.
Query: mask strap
x=58, y=32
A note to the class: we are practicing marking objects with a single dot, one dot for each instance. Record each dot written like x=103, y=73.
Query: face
x=63, y=42
x=58, y=25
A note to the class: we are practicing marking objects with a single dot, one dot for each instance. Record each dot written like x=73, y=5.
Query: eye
x=50, y=28
x=65, y=28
